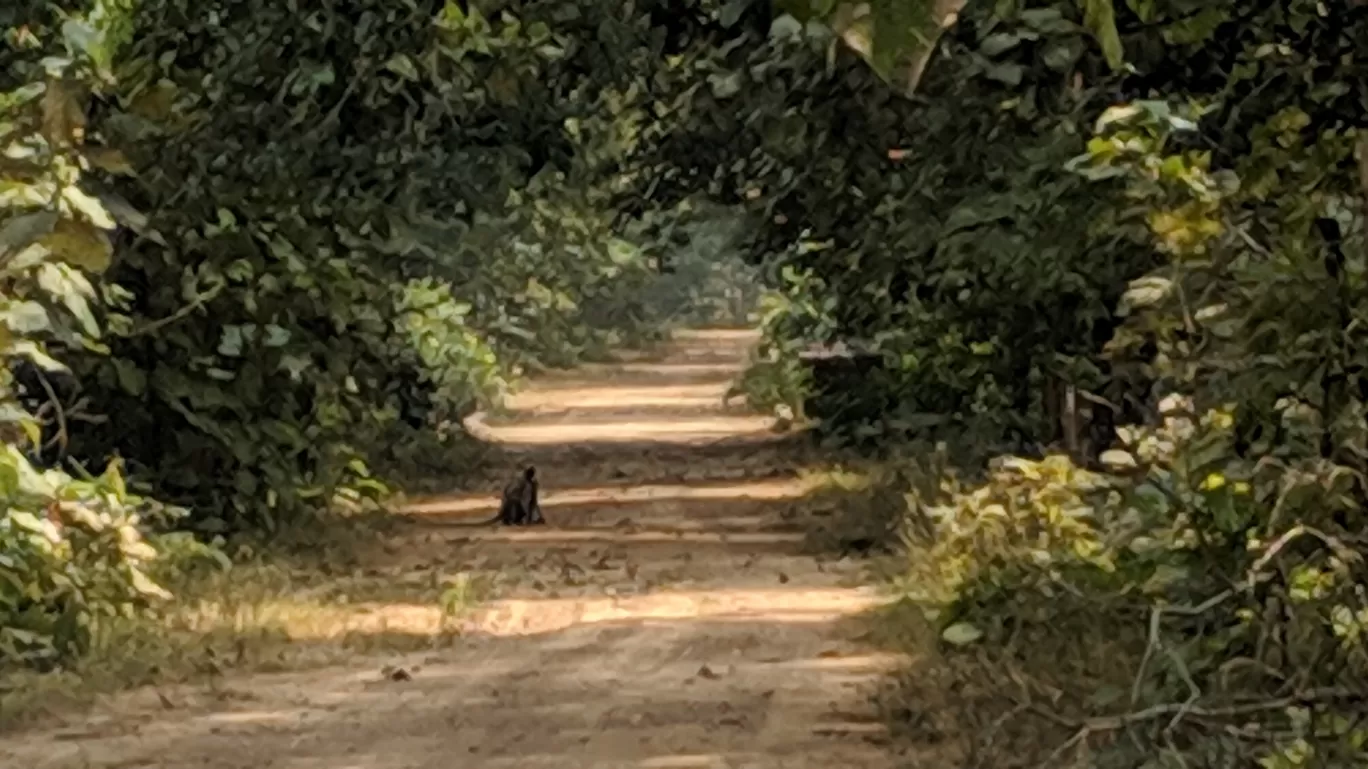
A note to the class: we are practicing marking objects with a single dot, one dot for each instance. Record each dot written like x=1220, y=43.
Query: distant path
x=664, y=618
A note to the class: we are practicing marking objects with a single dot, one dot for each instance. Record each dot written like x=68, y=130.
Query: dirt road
x=665, y=618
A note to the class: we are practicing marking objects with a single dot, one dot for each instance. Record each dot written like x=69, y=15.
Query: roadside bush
x=74, y=553
x=1201, y=602
x=1173, y=601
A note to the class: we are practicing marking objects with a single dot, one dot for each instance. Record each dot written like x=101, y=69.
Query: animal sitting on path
x=519, y=505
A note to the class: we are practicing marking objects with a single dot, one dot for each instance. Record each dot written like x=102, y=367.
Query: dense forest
x=1102, y=263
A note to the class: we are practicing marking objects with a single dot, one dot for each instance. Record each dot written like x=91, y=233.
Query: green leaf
x=403, y=66
x=1144, y=292
x=1118, y=459
x=93, y=210
x=145, y=586
x=25, y=317
x=1121, y=113
x=1047, y=20
x=1009, y=74
x=1164, y=576
x=83, y=38
x=125, y=214
x=725, y=86
x=131, y=379
x=19, y=231
x=29, y=481
x=26, y=521
x=63, y=117
x=81, y=244
x=1100, y=18
x=1060, y=55
x=72, y=289
x=999, y=43
x=732, y=10
x=109, y=160
x=276, y=336
x=29, y=349
x=230, y=343
x=961, y=634
x=11, y=413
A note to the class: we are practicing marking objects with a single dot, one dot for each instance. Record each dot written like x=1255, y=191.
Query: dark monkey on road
x=519, y=505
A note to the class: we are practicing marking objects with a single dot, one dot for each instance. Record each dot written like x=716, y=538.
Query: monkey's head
x=530, y=473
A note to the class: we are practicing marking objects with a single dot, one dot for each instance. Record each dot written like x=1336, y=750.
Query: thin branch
x=1155, y=617
x=1121, y=720
x=61, y=436
x=161, y=323
x=1194, y=691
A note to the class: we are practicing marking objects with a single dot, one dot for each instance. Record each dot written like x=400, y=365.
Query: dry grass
x=267, y=615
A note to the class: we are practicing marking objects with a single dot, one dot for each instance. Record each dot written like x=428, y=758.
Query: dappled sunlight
x=640, y=374
x=674, y=430
x=533, y=400
x=794, y=606
x=602, y=416
x=730, y=337
x=685, y=761
x=299, y=619
x=855, y=663
x=725, y=370
x=256, y=717
x=604, y=535
x=525, y=615
x=772, y=490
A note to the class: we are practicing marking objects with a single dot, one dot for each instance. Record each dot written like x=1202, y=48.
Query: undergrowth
x=305, y=599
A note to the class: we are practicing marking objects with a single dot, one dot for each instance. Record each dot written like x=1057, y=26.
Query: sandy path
x=664, y=618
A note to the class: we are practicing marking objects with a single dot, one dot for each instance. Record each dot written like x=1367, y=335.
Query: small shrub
x=1120, y=599
x=74, y=553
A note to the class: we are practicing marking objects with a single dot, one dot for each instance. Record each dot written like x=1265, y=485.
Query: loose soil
x=666, y=617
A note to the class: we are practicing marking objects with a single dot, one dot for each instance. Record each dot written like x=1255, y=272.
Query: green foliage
x=423, y=219
x=278, y=248
x=73, y=552
x=775, y=379
x=1044, y=554
x=293, y=343
x=1204, y=594
x=944, y=233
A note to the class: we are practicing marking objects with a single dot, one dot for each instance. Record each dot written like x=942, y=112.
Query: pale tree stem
x=944, y=13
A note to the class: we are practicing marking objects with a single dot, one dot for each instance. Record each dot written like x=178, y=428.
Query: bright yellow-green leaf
x=145, y=586
x=93, y=210
x=1213, y=482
